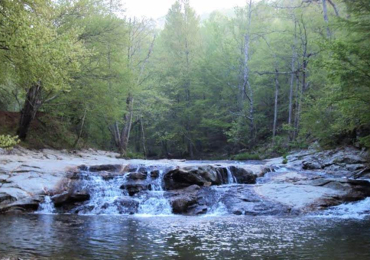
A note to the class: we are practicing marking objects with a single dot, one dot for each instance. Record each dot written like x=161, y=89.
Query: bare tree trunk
x=334, y=7
x=325, y=10
x=29, y=111
x=81, y=129
x=189, y=143
x=246, y=90
x=276, y=103
x=292, y=75
x=125, y=133
x=143, y=136
x=300, y=91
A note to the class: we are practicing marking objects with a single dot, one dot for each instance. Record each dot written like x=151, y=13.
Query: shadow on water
x=229, y=237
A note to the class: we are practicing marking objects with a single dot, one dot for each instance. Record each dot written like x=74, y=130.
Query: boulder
x=154, y=174
x=70, y=197
x=312, y=164
x=136, y=176
x=181, y=199
x=352, y=190
x=22, y=205
x=243, y=176
x=135, y=187
x=103, y=167
x=180, y=204
x=126, y=205
x=183, y=177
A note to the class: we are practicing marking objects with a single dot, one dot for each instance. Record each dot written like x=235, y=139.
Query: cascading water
x=219, y=192
x=352, y=210
x=153, y=202
x=104, y=194
x=230, y=177
x=135, y=189
x=47, y=207
x=123, y=195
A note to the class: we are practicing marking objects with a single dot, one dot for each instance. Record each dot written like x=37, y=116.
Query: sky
x=158, y=8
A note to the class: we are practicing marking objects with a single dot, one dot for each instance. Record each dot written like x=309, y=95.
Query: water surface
x=179, y=237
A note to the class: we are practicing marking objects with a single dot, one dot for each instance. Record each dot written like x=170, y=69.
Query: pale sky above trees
x=159, y=8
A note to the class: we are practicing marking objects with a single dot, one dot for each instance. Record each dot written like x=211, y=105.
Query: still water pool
x=225, y=237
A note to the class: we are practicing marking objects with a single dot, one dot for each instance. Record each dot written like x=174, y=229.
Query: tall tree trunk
x=292, y=75
x=326, y=19
x=81, y=128
x=189, y=142
x=300, y=91
x=143, y=136
x=246, y=91
x=29, y=110
x=125, y=133
x=276, y=103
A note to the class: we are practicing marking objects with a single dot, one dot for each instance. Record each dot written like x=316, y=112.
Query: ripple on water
x=175, y=237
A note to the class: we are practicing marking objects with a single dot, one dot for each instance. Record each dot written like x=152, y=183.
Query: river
x=46, y=236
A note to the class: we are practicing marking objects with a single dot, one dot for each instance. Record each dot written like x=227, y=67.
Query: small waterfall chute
x=230, y=177
x=47, y=207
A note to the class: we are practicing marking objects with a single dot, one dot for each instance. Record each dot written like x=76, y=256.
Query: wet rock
x=243, y=175
x=79, y=196
x=104, y=167
x=154, y=174
x=182, y=199
x=355, y=167
x=182, y=177
x=22, y=206
x=5, y=198
x=311, y=165
x=180, y=204
x=245, y=201
x=136, y=176
x=352, y=190
x=194, y=210
x=69, y=197
x=135, y=187
x=126, y=205
x=60, y=199
x=337, y=162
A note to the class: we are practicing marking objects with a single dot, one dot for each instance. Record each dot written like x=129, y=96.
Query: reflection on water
x=229, y=237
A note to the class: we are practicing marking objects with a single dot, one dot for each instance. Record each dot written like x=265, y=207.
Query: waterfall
x=47, y=207
x=154, y=202
x=104, y=194
x=230, y=177
x=122, y=195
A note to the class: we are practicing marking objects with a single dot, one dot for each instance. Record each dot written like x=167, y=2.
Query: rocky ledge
x=308, y=182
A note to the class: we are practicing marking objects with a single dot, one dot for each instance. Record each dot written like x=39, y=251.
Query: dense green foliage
x=8, y=142
x=263, y=79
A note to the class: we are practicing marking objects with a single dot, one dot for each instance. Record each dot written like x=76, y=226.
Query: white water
x=154, y=202
x=106, y=196
x=230, y=177
x=110, y=196
x=353, y=210
x=47, y=207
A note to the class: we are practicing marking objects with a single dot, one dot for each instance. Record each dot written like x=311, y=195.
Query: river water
x=178, y=237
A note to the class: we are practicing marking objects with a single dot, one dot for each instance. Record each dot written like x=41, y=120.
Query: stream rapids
x=195, y=211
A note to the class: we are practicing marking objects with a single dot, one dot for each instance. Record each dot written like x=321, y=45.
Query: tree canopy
x=256, y=80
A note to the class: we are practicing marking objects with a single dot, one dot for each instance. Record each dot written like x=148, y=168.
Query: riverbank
x=78, y=181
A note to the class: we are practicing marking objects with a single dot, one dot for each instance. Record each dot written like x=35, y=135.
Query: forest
x=246, y=83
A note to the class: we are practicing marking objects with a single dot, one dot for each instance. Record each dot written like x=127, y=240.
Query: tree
x=180, y=41
x=40, y=59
